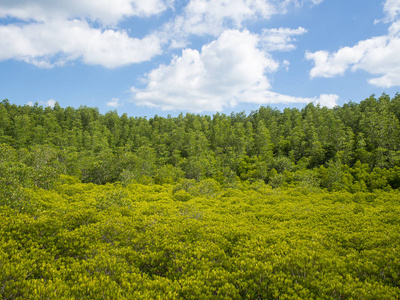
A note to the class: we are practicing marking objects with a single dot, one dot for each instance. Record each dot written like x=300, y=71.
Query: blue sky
x=147, y=57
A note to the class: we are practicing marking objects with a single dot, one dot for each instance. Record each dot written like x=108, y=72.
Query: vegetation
x=299, y=204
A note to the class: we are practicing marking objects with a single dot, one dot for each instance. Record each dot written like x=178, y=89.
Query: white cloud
x=280, y=39
x=284, y=5
x=50, y=103
x=60, y=31
x=228, y=71
x=212, y=17
x=114, y=102
x=392, y=9
x=56, y=42
x=328, y=100
x=329, y=65
x=264, y=97
x=105, y=11
x=377, y=55
x=209, y=80
x=286, y=64
x=56, y=32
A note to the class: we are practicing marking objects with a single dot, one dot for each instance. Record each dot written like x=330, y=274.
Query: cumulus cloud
x=280, y=39
x=211, y=79
x=57, y=42
x=329, y=65
x=228, y=71
x=378, y=56
x=105, y=11
x=55, y=32
x=114, y=102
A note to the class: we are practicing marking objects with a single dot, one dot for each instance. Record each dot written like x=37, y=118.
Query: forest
x=292, y=204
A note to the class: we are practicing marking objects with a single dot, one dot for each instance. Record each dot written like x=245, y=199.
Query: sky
x=164, y=57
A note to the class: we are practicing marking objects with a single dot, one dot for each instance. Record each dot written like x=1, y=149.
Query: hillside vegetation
x=299, y=204
x=354, y=147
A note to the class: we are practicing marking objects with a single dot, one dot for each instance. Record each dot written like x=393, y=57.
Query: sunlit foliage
x=198, y=241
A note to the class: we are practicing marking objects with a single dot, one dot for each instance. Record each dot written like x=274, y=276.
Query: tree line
x=354, y=147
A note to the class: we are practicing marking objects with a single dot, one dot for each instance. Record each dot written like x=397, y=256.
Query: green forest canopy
x=354, y=147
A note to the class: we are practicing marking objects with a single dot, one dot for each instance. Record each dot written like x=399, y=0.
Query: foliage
x=267, y=145
x=86, y=241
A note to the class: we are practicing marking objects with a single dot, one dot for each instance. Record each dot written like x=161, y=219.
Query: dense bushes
x=136, y=241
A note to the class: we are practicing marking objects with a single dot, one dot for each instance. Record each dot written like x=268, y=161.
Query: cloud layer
x=104, y=11
x=234, y=68
x=55, y=32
